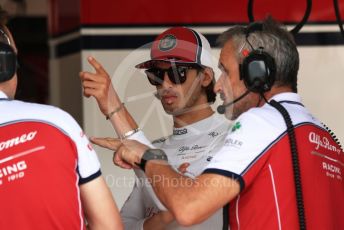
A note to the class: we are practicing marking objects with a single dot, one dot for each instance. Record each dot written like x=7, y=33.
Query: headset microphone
x=222, y=108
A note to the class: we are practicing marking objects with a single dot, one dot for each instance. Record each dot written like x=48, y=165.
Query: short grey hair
x=275, y=40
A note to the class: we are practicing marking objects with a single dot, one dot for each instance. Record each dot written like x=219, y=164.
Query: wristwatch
x=152, y=154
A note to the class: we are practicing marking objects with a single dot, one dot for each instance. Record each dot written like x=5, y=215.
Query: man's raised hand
x=99, y=86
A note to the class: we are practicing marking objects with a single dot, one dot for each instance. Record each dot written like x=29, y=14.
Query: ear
x=208, y=76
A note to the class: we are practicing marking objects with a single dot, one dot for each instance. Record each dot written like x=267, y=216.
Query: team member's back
x=49, y=174
x=44, y=156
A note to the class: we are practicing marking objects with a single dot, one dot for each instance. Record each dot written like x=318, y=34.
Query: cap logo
x=167, y=43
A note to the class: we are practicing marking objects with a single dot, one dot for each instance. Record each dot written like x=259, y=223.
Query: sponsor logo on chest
x=236, y=126
x=193, y=148
x=180, y=131
x=213, y=134
x=233, y=143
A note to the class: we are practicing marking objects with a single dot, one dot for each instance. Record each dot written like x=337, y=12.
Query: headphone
x=8, y=58
x=258, y=69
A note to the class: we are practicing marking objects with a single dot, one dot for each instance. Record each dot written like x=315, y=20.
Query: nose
x=167, y=82
x=218, y=85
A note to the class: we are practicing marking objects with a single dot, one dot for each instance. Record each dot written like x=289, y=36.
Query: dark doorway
x=31, y=36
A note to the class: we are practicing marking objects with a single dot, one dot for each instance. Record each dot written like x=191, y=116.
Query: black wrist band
x=152, y=154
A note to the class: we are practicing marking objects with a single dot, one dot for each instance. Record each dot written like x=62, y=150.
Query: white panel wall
x=321, y=85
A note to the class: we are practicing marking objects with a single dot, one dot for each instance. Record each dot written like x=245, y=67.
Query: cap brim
x=151, y=63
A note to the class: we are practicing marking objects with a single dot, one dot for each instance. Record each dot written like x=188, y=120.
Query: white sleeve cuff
x=140, y=137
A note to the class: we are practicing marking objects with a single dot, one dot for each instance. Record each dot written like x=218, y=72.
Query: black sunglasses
x=176, y=74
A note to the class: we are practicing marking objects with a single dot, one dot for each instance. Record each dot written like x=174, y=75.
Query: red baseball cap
x=179, y=45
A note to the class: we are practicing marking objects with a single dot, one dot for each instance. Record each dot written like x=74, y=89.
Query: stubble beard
x=238, y=108
x=182, y=107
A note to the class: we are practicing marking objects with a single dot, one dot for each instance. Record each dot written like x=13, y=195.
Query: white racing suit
x=195, y=144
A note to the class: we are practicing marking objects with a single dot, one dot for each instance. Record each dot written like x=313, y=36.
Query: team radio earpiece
x=258, y=69
x=8, y=58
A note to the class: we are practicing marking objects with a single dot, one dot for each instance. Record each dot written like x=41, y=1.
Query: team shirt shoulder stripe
x=228, y=174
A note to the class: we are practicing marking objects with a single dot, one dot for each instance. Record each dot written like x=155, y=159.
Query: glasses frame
x=176, y=74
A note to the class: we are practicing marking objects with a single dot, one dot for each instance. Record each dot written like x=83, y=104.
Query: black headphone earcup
x=258, y=71
x=8, y=62
x=241, y=71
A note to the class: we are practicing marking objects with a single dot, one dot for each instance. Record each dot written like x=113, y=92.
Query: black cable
x=295, y=162
x=225, y=214
x=250, y=11
x=339, y=20
x=335, y=139
x=297, y=28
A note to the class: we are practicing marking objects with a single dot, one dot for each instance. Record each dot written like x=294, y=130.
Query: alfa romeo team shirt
x=44, y=157
x=257, y=153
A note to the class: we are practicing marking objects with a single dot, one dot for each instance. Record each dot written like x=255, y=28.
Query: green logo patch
x=236, y=126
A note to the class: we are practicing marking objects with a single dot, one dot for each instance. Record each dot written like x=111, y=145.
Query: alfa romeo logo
x=167, y=43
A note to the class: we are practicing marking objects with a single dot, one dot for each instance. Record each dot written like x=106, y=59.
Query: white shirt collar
x=3, y=95
x=198, y=127
x=286, y=97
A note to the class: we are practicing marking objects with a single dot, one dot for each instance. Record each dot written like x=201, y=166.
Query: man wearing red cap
x=181, y=69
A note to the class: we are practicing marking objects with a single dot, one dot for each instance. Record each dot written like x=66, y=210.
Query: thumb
x=183, y=167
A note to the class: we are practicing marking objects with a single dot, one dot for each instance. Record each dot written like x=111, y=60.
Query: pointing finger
x=109, y=143
x=96, y=65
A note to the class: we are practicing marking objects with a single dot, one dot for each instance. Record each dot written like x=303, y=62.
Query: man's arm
x=191, y=201
x=99, y=207
x=99, y=86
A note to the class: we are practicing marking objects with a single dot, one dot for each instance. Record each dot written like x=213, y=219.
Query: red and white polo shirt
x=44, y=157
x=257, y=153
